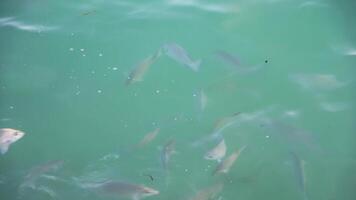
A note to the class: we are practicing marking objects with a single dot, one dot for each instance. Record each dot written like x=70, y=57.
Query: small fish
x=7, y=137
x=177, y=53
x=203, y=100
x=88, y=12
x=140, y=70
x=124, y=189
x=227, y=57
x=299, y=172
x=148, y=138
x=225, y=165
x=208, y=193
x=225, y=122
x=166, y=153
x=217, y=153
x=35, y=173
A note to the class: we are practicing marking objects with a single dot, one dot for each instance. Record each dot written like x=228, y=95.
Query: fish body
x=225, y=165
x=299, y=172
x=203, y=100
x=140, y=70
x=227, y=57
x=149, y=137
x=177, y=53
x=124, y=189
x=36, y=172
x=166, y=153
x=217, y=153
x=208, y=193
x=7, y=137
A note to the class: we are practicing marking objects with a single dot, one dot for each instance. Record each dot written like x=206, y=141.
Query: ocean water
x=276, y=77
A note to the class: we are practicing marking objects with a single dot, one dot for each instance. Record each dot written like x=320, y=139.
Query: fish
x=227, y=57
x=179, y=54
x=217, y=153
x=299, y=172
x=9, y=136
x=203, y=100
x=208, y=193
x=36, y=172
x=141, y=69
x=148, y=138
x=225, y=165
x=166, y=153
x=124, y=190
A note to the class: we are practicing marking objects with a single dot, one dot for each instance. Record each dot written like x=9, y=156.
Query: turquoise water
x=63, y=70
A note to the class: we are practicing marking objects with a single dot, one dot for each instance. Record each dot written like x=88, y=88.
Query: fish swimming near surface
x=148, y=138
x=122, y=189
x=7, y=137
x=225, y=165
x=208, y=193
x=167, y=152
x=177, y=53
x=203, y=100
x=35, y=173
x=141, y=69
x=217, y=153
x=299, y=172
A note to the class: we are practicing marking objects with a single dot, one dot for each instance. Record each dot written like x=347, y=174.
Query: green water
x=63, y=67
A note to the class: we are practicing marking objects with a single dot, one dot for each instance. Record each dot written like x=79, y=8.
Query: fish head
x=210, y=156
x=11, y=135
x=146, y=191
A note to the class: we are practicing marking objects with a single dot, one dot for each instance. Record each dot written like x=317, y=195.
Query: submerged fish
x=203, y=100
x=7, y=137
x=299, y=172
x=208, y=193
x=166, y=153
x=177, y=53
x=227, y=57
x=217, y=153
x=225, y=165
x=124, y=190
x=35, y=173
x=140, y=70
x=148, y=137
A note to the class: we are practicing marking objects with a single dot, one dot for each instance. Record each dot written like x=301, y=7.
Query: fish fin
x=4, y=148
x=195, y=65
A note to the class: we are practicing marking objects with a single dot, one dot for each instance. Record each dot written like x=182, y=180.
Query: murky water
x=123, y=99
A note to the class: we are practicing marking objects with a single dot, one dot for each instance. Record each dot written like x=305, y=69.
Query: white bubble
x=77, y=93
x=84, y=55
x=99, y=91
x=186, y=170
x=11, y=107
x=81, y=49
x=92, y=71
x=267, y=136
x=114, y=68
x=194, y=95
x=100, y=54
x=157, y=91
x=71, y=49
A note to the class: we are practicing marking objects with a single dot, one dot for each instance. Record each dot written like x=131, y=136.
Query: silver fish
x=217, y=153
x=125, y=190
x=35, y=173
x=7, y=137
x=148, y=137
x=203, y=100
x=299, y=172
x=227, y=57
x=225, y=165
x=140, y=70
x=177, y=53
x=166, y=153
x=208, y=193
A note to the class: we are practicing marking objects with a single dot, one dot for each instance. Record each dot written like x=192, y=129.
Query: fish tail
x=195, y=65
